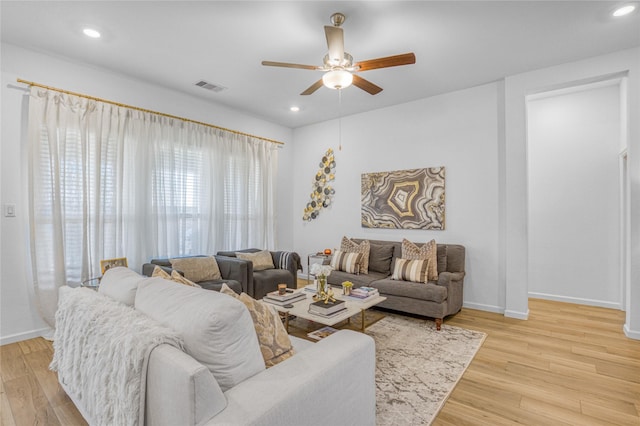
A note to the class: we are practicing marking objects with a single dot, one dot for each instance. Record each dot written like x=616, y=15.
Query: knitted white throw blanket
x=101, y=350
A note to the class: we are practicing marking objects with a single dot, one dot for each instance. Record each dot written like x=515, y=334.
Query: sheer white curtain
x=108, y=181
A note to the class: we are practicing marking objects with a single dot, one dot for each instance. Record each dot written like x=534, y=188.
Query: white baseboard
x=577, y=300
x=631, y=334
x=481, y=307
x=517, y=314
x=18, y=337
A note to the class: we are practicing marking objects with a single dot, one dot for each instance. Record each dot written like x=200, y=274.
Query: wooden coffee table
x=301, y=309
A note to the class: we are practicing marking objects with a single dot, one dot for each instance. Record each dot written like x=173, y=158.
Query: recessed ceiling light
x=294, y=109
x=90, y=32
x=624, y=10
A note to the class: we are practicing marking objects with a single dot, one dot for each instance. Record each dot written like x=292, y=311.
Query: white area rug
x=417, y=367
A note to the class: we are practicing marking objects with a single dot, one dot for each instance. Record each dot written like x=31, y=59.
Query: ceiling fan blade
x=389, y=61
x=315, y=86
x=366, y=85
x=288, y=65
x=335, y=42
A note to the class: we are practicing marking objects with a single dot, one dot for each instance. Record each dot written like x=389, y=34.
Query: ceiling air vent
x=210, y=86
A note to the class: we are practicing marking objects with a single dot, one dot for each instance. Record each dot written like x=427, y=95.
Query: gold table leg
x=362, y=318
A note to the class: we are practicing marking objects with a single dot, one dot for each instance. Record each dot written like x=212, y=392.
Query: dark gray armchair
x=234, y=272
x=262, y=282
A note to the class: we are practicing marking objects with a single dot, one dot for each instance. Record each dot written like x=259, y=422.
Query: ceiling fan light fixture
x=624, y=10
x=337, y=79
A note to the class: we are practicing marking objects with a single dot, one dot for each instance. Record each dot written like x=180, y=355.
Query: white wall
x=573, y=154
x=458, y=130
x=517, y=88
x=19, y=318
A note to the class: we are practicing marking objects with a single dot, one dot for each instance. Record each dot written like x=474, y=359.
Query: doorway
x=575, y=241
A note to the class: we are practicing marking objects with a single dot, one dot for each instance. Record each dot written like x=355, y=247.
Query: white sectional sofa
x=204, y=365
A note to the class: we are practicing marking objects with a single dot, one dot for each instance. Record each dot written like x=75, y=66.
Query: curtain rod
x=31, y=83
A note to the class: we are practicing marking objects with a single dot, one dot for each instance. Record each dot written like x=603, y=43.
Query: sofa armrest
x=454, y=282
x=180, y=390
x=445, y=278
x=289, y=260
x=302, y=389
x=232, y=268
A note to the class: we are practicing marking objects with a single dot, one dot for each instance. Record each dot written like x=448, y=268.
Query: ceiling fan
x=338, y=65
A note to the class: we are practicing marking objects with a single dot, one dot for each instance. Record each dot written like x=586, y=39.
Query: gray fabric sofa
x=435, y=299
x=234, y=272
x=262, y=282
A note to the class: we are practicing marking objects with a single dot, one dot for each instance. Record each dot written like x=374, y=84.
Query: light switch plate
x=10, y=210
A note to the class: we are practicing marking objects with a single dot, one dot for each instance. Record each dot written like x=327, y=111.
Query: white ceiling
x=457, y=45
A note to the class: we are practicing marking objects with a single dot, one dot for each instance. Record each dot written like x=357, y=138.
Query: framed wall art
x=404, y=199
x=111, y=263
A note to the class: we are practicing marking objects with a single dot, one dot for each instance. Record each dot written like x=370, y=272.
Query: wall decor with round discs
x=322, y=194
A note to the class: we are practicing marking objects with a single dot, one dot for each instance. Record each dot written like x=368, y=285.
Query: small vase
x=322, y=285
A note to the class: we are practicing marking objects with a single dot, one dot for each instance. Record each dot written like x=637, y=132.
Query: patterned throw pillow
x=197, y=269
x=347, y=262
x=159, y=272
x=275, y=344
x=175, y=276
x=428, y=251
x=410, y=270
x=363, y=248
x=261, y=260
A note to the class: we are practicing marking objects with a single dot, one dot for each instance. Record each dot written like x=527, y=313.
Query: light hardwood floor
x=568, y=364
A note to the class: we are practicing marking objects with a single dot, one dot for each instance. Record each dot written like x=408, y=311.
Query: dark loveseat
x=262, y=282
x=234, y=272
x=435, y=299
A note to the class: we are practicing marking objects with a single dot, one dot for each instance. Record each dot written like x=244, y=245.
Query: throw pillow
x=121, y=284
x=363, y=248
x=159, y=272
x=347, y=262
x=275, y=344
x=410, y=270
x=177, y=277
x=197, y=269
x=428, y=251
x=261, y=260
x=380, y=256
x=217, y=332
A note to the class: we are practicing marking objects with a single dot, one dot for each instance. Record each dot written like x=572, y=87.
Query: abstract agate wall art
x=404, y=199
x=322, y=193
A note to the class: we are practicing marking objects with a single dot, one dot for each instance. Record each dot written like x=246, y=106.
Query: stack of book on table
x=328, y=309
x=322, y=333
x=363, y=294
x=288, y=298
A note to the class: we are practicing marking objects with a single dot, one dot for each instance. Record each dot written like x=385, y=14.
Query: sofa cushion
x=217, y=330
x=275, y=344
x=350, y=246
x=120, y=284
x=347, y=262
x=429, y=292
x=197, y=268
x=410, y=270
x=338, y=277
x=215, y=285
x=428, y=251
x=380, y=256
x=261, y=260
